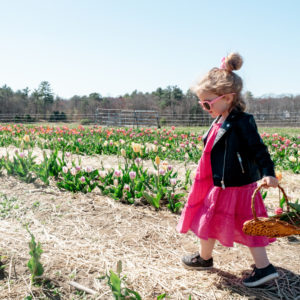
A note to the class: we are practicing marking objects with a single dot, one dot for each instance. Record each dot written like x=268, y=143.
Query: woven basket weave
x=272, y=226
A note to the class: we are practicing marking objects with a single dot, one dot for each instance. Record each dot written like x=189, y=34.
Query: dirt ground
x=85, y=235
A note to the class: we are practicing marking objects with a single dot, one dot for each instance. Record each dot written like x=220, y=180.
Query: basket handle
x=256, y=191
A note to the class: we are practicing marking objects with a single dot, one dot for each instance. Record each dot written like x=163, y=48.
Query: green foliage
x=21, y=166
x=79, y=181
x=50, y=166
x=118, y=285
x=57, y=116
x=2, y=163
x=86, y=121
x=7, y=205
x=34, y=264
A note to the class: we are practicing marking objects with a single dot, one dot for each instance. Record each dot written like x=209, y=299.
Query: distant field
x=293, y=131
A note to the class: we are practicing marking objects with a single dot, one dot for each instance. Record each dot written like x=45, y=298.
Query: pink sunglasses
x=207, y=103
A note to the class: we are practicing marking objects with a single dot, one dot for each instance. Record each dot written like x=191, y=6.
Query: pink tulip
x=173, y=181
x=132, y=175
x=89, y=169
x=73, y=171
x=82, y=179
x=278, y=211
x=118, y=173
x=126, y=187
x=162, y=172
x=138, y=160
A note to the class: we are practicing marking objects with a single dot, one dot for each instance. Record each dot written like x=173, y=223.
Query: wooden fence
x=115, y=117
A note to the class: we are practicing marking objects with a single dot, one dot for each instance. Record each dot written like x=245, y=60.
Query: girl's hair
x=223, y=80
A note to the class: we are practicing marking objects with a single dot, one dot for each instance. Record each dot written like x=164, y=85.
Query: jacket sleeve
x=256, y=146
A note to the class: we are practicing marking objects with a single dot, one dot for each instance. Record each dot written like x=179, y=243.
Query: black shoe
x=261, y=276
x=195, y=261
x=293, y=240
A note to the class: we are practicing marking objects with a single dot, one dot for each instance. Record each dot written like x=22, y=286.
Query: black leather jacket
x=239, y=156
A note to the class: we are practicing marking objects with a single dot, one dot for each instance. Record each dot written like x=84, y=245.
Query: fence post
x=135, y=119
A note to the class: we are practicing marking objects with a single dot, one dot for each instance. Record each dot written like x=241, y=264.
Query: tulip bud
x=123, y=152
x=278, y=175
x=157, y=160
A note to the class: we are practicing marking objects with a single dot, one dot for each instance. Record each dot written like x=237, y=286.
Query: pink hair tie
x=223, y=63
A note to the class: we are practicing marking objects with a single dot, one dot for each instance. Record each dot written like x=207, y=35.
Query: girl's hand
x=270, y=181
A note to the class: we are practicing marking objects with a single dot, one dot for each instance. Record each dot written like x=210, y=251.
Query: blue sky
x=114, y=47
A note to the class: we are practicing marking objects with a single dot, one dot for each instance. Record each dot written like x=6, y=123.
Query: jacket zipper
x=222, y=181
x=240, y=161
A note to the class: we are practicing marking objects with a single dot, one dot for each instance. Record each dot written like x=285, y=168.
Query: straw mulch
x=83, y=236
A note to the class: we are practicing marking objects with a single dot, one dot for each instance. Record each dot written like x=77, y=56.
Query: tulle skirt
x=222, y=214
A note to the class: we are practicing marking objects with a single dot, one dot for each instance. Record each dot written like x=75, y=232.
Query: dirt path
x=85, y=235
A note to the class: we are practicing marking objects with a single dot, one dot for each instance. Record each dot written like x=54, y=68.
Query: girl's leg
x=206, y=248
x=260, y=257
x=202, y=260
x=263, y=272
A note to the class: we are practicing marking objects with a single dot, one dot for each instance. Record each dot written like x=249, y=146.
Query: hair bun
x=233, y=62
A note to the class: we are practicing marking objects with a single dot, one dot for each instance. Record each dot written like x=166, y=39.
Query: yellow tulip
x=292, y=158
x=157, y=160
x=136, y=147
x=26, y=138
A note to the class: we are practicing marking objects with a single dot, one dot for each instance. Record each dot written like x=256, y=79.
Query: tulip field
x=90, y=213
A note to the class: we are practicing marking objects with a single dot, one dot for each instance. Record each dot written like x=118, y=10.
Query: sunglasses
x=208, y=103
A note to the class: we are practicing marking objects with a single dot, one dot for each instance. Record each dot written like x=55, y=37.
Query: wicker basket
x=272, y=226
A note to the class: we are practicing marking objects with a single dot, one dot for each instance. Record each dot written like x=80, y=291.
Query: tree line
x=169, y=100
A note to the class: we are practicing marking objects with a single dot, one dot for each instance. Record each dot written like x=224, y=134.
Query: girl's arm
x=255, y=146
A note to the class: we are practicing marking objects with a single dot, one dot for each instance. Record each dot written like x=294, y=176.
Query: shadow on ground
x=287, y=286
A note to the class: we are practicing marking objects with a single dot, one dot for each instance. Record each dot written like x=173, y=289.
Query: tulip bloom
x=118, y=173
x=73, y=171
x=123, y=152
x=157, y=160
x=102, y=174
x=132, y=175
x=173, y=181
x=126, y=187
x=26, y=138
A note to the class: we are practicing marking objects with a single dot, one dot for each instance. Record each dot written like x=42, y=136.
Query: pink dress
x=211, y=212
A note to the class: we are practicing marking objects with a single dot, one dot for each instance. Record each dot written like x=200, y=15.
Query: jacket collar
x=223, y=129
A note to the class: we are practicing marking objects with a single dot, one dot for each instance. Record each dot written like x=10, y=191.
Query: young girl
x=233, y=159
